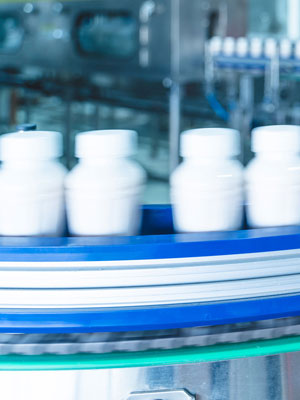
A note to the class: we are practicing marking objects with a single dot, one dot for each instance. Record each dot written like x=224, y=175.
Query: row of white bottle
x=209, y=189
x=255, y=47
x=101, y=195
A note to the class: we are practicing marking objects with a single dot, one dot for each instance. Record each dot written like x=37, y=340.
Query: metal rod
x=68, y=138
x=27, y=106
x=174, y=124
x=246, y=104
x=8, y=106
x=97, y=115
x=113, y=97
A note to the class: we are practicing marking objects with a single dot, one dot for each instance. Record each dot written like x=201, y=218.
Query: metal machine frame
x=171, y=37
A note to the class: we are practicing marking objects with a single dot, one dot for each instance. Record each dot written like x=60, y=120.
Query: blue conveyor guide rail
x=158, y=280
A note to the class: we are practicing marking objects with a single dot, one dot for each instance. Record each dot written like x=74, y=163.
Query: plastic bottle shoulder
x=114, y=173
x=189, y=172
x=285, y=169
x=39, y=177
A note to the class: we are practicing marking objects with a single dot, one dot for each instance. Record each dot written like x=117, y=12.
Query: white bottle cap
x=297, y=50
x=276, y=138
x=242, y=47
x=210, y=142
x=106, y=143
x=256, y=47
x=228, y=46
x=285, y=48
x=30, y=145
x=270, y=48
x=215, y=45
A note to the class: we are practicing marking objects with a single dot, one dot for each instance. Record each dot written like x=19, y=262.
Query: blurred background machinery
x=157, y=66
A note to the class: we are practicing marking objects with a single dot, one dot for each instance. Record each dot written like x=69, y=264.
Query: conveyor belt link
x=107, y=342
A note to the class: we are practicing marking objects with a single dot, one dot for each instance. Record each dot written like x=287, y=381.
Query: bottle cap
x=276, y=138
x=106, y=143
x=242, y=47
x=285, y=48
x=26, y=127
x=215, y=45
x=34, y=145
x=229, y=46
x=210, y=142
x=270, y=47
x=256, y=47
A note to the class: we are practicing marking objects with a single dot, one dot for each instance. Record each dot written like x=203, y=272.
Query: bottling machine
x=161, y=42
x=159, y=316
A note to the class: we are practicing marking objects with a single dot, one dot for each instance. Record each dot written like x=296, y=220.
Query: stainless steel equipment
x=252, y=77
x=155, y=40
x=101, y=51
x=261, y=80
x=269, y=377
x=149, y=38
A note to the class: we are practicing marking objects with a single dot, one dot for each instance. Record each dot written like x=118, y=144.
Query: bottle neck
x=100, y=161
x=27, y=164
x=277, y=156
x=208, y=160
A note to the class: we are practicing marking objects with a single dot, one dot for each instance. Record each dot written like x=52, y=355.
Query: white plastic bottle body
x=207, y=195
x=273, y=177
x=32, y=198
x=103, y=197
x=273, y=190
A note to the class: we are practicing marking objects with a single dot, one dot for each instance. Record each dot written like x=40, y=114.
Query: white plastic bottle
x=273, y=177
x=207, y=188
x=31, y=184
x=104, y=189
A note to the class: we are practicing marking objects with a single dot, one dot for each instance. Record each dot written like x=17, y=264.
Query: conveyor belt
x=151, y=282
x=156, y=281
x=109, y=342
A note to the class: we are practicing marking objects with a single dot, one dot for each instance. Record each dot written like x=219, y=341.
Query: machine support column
x=68, y=130
x=174, y=124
